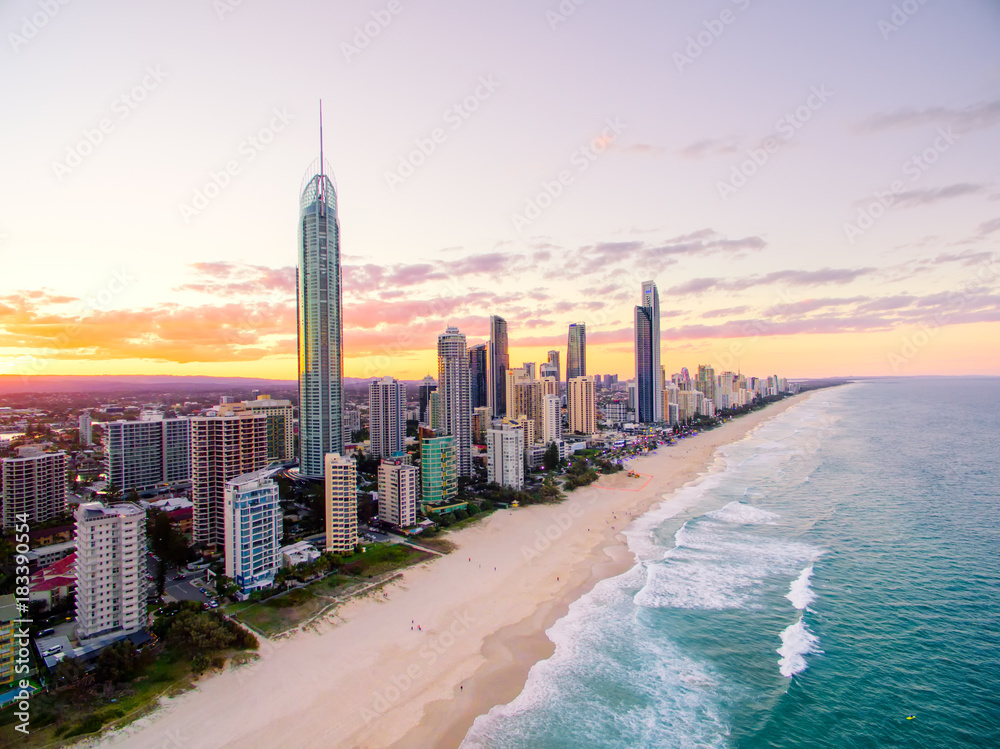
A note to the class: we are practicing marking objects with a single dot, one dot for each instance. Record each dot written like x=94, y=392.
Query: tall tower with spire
x=320, y=319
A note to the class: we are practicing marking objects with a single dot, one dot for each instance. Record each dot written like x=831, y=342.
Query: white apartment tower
x=341, y=474
x=505, y=456
x=33, y=484
x=386, y=416
x=551, y=419
x=253, y=531
x=398, y=491
x=581, y=405
x=86, y=428
x=110, y=568
x=222, y=448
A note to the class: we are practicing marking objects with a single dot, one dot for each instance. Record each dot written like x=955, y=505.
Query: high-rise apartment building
x=341, y=474
x=498, y=363
x=434, y=415
x=479, y=372
x=581, y=405
x=85, y=426
x=505, y=456
x=480, y=423
x=253, y=530
x=386, y=416
x=516, y=395
x=453, y=391
x=33, y=484
x=110, y=568
x=398, y=493
x=280, y=431
x=552, y=361
x=530, y=369
x=147, y=454
x=320, y=320
x=648, y=373
x=424, y=390
x=705, y=381
x=438, y=472
x=222, y=448
x=576, y=354
x=551, y=419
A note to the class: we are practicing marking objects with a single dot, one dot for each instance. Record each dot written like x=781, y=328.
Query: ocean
x=837, y=585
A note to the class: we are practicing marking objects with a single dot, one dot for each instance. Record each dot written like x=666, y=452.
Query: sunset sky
x=729, y=150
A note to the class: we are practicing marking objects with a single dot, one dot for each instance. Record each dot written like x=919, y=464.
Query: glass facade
x=438, y=474
x=320, y=324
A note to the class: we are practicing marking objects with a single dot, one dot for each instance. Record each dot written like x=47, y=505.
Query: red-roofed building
x=55, y=583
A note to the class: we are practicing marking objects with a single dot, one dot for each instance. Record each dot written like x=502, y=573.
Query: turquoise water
x=840, y=573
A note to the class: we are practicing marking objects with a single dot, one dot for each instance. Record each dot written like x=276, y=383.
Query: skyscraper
x=576, y=355
x=505, y=456
x=320, y=320
x=648, y=373
x=498, y=364
x=453, y=394
x=253, y=530
x=341, y=485
x=479, y=374
x=33, y=484
x=553, y=360
x=86, y=428
x=438, y=476
x=398, y=493
x=581, y=406
x=110, y=567
x=386, y=416
x=424, y=390
x=222, y=448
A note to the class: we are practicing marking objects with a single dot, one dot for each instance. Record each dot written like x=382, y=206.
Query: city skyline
x=838, y=219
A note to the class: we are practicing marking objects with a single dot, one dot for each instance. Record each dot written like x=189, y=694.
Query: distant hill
x=139, y=383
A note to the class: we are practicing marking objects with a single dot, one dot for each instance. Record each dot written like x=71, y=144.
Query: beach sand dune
x=456, y=635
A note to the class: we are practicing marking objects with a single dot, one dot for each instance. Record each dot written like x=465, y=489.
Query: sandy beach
x=454, y=636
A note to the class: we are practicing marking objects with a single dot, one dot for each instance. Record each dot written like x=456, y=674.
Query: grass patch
x=278, y=614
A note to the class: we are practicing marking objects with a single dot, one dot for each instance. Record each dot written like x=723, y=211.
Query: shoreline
x=453, y=638
x=512, y=651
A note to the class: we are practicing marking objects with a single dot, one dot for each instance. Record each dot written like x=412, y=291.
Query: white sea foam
x=799, y=593
x=796, y=643
x=739, y=513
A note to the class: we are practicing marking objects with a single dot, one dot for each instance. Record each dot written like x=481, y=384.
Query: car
x=46, y=632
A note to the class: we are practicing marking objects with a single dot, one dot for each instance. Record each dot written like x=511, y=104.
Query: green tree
x=551, y=457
